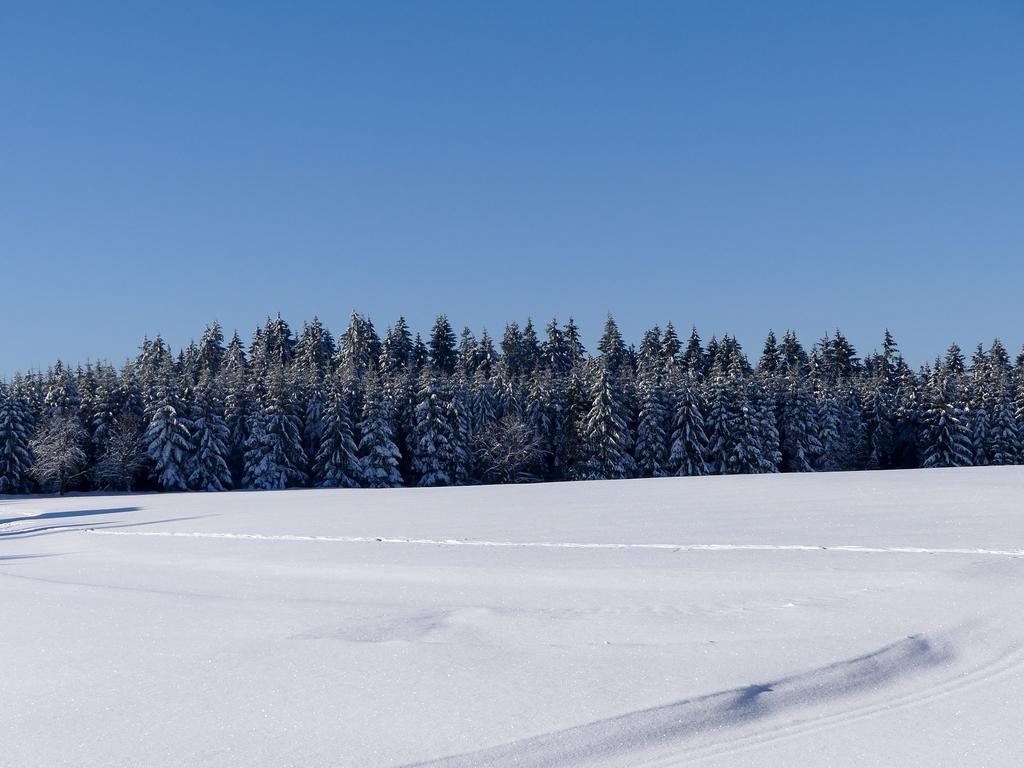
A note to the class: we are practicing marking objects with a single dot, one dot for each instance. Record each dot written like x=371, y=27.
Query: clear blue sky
x=738, y=165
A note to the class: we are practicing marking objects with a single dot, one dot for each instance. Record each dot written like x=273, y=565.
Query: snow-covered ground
x=804, y=620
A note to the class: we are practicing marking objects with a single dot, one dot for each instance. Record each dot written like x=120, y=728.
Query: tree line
x=303, y=410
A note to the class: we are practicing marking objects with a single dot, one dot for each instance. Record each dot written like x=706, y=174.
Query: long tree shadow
x=28, y=533
x=69, y=513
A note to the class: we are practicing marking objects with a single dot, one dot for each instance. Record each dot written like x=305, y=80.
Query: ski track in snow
x=563, y=544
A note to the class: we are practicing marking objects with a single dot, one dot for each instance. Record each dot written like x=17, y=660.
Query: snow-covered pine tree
x=771, y=361
x=211, y=350
x=906, y=416
x=711, y=362
x=467, y=353
x=946, y=433
x=378, y=452
x=432, y=449
x=460, y=420
x=736, y=426
x=61, y=396
x=16, y=428
x=208, y=459
x=977, y=383
x=574, y=344
x=763, y=403
x=834, y=450
x=274, y=454
x=312, y=364
x=611, y=345
x=539, y=416
x=1004, y=434
x=234, y=383
x=531, y=352
x=167, y=435
x=396, y=349
x=443, y=355
x=104, y=408
x=689, y=450
x=839, y=358
x=995, y=432
x=1018, y=402
x=693, y=357
x=607, y=441
x=420, y=357
x=400, y=392
x=86, y=383
x=360, y=346
x=798, y=425
x=649, y=356
x=792, y=354
x=670, y=345
x=878, y=403
x=512, y=350
x=653, y=427
x=337, y=465
x=508, y=390
x=484, y=405
x=557, y=356
x=486, y=356
x=152, y=365
x=279, y=342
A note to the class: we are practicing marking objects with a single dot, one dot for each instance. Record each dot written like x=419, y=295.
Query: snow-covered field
x=868, y=619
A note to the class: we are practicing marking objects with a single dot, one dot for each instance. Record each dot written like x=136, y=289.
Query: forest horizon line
x=370, y=410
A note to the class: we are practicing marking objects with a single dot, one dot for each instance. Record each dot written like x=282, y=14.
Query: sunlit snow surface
x=866, y=619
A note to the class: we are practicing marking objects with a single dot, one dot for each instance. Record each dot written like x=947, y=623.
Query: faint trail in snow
x=565, y=544
x=671, y=726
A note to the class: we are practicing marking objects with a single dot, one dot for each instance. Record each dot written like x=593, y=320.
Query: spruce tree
x=443, y=355
x=211, y=350
x=167, y=445
x=611, y=345
x=693, y=358
x=396, y=349
x=167, y=437
x=360, y=346
x=771, y=360
x=606, y=437
x=337, y=465
x=946, y=433
x=209, y=451
x=460, y=420
x=16, y=428
x=1004, y=436
x=670, y=345
x=736, y=425
x=234, y=383
x=378, y=451
x=689, y=449
x=798, y=426
x=273, y=448
x=432, y=439
x=652, y=441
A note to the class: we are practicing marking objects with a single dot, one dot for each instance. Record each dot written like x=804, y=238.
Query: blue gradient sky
x=738, y=165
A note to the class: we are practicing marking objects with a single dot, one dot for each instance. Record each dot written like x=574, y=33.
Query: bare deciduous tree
x=508, y=451
x=122, y=457
x=59, y=456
